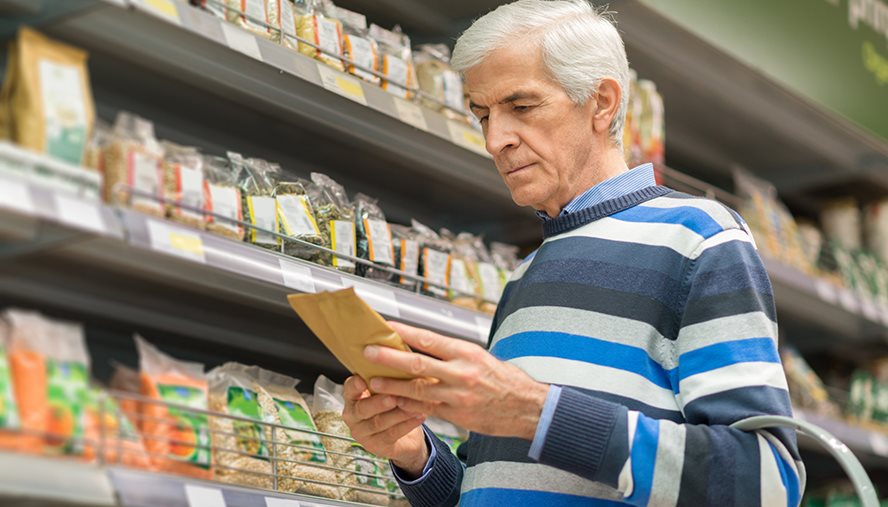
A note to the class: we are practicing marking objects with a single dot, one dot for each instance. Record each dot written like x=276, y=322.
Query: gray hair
x=580, y=44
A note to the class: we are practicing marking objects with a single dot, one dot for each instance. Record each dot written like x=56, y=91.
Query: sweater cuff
x=440, y=480
x=583, y=431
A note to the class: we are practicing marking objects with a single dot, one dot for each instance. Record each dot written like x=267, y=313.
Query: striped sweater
x=654, y=313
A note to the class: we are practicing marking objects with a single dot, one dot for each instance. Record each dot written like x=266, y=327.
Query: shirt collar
x=622, y=184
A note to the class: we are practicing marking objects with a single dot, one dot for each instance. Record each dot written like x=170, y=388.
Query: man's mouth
x=517, y=169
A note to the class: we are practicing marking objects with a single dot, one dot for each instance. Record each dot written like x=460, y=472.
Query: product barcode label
x=225, y=202
x=263, y=214
x=190, y=184
x=342, y=237
x=296, y=219
x=379, y=239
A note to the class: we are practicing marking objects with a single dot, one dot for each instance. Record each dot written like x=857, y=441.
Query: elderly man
x=625, y=346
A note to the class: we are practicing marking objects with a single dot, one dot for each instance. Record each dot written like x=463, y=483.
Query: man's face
x=542, y=143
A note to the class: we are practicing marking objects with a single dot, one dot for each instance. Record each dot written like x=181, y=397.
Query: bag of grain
x=253, y=15
x=437, y=80
x=360, y=50
x=374, y=237
x=297, y=219
x=316, y=23
x=256, y=179
x=396, y=61
x=134, y=161
x=184, y=184
x=336, y=220
x=223, y=199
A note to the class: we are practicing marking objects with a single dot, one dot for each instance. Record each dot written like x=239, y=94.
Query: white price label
x=467, y=137
x=483, y=324
x=165, y=9
x=176, y=241
x=848, y=301
x=241, y=41
x=280, y=502
x=15, y=195
x=81, y=214
x=411, y=114
x=199, y=496
x=342, y=84
x=381, y=299
x=879, y=444
x=297, y=276
x=826, y=291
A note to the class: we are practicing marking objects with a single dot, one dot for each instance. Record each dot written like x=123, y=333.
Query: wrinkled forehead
x=517, y=66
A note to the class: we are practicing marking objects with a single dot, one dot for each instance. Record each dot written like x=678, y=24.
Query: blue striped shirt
x=618, y=186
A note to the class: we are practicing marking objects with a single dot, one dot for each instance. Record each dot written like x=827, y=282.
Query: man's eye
x=521, y=109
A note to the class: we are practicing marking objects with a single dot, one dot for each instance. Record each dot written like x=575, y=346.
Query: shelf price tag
x=81, y=214
x=281, y=502
x=15, y=195
x=467, y=137
x=380, y=299
x=176, y=241
x=848, y=301
x=241, y=41
x=166, y=9
x=342, y=84
x=199, y=496
x=297, y=277
x=411, y=114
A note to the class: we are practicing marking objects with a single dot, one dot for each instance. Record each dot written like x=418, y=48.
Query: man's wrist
x=414, y=466
x=535, y=398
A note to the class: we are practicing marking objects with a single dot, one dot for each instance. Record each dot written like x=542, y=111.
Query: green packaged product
x=374, y=237
x=256, y=179
x=297, y=219
x=335, y=219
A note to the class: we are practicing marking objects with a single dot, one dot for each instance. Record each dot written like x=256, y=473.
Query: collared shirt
x=618, y=186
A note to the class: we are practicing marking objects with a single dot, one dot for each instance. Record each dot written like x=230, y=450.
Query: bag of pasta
x=363, y=477
x=256, y=180
x=336, y=220
x=465, y=283
x=299, y=449
x=316, y=23
x=260, y=17
x=184, y=184
x=297, y=219
x=134, y=161
x=434, y=260
x=396, y=61
x=406, y=248
x=374, y=237
x=223, y=200
x=360, y=50
x=437, y=80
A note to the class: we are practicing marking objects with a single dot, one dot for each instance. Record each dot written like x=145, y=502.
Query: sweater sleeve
x=440, y=483
x=726, y=369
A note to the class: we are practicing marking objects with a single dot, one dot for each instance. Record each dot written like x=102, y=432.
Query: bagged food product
x=177, y=439
x=299, y=449
x=374, y=237
x=252, y=15
x=365, y=475
x=336, y=220
x=841, y=223
x=256, y=180
x=396, y=61
x=875, y=222
x=297, y=220
x=94, y=156
x=437, y=80
x=242, y=451
x=406, y=249
x=184, y=184
x=127, y=385
x=287, y=11
x=109, y=429
x=491, y=283
x=9, y=411
x=358, y=48
x=223, y=197
x=46, y=103
x=50, y=377
x=316, y=23
x=134, y=158
x=434, y=261
x=465, y=283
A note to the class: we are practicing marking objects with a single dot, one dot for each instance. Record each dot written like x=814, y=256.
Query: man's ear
x=605, y=105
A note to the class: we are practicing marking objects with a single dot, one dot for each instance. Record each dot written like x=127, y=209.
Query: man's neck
x=611, y=165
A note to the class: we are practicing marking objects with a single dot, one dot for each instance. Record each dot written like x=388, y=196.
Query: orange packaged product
x=126, y=380
x=10, y=423
x=109, y=429
x=176, y=437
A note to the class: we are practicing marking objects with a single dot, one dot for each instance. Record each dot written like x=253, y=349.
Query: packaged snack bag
x=109, y=429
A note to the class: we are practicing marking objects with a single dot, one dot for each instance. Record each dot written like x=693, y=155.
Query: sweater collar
x=624, y=183
x=571, y=221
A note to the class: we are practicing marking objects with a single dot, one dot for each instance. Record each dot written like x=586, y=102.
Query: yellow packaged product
x=396, y=62
x=335, y=219
x=437, y=80
x=184, y=184
x=133, y=163
x=256, y=179
x=252, y=15
x=318, y=26
x=46, y=102
x=360, y=50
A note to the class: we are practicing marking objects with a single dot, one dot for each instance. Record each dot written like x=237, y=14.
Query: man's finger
x=430, y=342
x=400, y=430
x=383, y=422
x=416, y=365
x=373, y=406
x=354, y=388
x=418, y=407
x=422, y=389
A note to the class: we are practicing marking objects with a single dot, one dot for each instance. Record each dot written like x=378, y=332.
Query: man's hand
x=384, y=429
x=461, y=383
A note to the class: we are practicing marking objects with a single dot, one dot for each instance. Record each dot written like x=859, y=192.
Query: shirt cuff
x=427, y=469
x=539, y=438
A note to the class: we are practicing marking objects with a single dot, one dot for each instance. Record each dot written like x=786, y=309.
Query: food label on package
x=435, y=268
x=396, y=76
x=453, y=90
x=491, y=282
x=64, y=112
x=9, y=416
x=255, y=12
x=190, y=432
x=459, y=277
x=263, y=213
x=288, y=20
x=146, y=177
x=295, y=216
x=361, y=52
x=328, y=36
x=293, y=415
x=364, y=463
x=67, y=387
x=189, y=182
x=409, y=262
x=379, y=239
x=225, y=201
x=342, y=240
x=250, y=437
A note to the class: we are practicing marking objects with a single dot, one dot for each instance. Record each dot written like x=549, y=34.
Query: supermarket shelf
x=33, y=480
x=192, y=74
x=870, y=446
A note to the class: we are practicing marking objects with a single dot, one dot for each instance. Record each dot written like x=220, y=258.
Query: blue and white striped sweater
x=654, y=312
